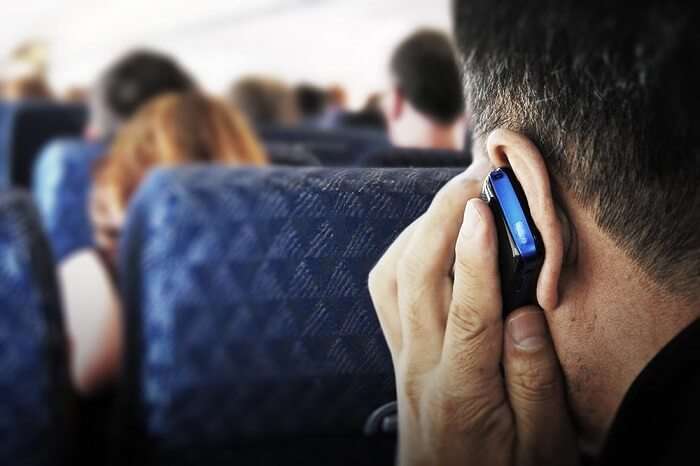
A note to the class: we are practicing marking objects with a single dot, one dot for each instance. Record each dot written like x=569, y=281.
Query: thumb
x=536, y=391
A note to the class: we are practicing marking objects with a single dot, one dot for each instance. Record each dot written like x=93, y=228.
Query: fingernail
x=528, y=330
x=472, y=217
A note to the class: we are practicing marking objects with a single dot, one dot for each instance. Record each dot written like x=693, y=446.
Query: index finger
x=424, y=281
x=474, y=335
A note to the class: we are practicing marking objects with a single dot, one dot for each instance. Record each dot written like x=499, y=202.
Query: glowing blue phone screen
x=514, y=214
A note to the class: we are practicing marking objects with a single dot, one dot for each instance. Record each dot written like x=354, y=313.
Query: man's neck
x=424, y=134
x=612, y=320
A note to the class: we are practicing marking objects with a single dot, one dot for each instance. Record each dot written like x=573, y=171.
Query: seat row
x=250, y=334
x=26, y=127
x=61, y=175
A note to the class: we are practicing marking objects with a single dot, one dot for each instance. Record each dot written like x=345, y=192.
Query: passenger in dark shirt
x=594, y=107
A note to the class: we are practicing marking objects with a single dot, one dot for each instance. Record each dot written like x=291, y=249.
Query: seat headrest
x=26, y=128
x=333, y=147
x=417, y=158
x=291, y=155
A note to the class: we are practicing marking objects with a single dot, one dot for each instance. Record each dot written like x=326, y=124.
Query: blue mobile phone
x=520, y=248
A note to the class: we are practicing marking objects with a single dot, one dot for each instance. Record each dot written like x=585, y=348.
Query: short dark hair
x=610, y=94
x=425, y=67
x=131, y=82
x=310, y=100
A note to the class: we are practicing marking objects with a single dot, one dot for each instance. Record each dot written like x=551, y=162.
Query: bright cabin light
x=323, y=41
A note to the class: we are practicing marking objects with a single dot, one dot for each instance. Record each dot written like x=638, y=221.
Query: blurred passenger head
x=128, y=84
x=311, y=101
x=370, y=117
x=606, y=94
x=337, y=97
x=265, y=101
x=173, y=129
x=76, y=95
x=24, y=73
x=26, y=88
x=425, y=105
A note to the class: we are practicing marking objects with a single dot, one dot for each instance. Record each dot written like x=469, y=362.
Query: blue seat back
x=426, y=158
x=291, y=155
x=26, y=129
x=61, y=185
x=248, y=314
x=34, y=406
x=62, y=182
x=6, y=110
x=333, y=147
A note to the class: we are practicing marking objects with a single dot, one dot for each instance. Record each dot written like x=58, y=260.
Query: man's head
x=603, y=97
x=426, y=89
x=128, y=84
x=265, y=101
x=310, y=100
x=172, y=129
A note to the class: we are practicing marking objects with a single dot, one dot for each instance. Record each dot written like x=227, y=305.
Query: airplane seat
x=62, y=180
x=333, y=147
x=291, y=155
x=6, y=109
x=26, y=129
x=61, y=185
x=35, y=412
x=417, y=158
x=251, y=336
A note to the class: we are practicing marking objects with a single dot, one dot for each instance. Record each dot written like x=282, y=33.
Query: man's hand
x=471, y=389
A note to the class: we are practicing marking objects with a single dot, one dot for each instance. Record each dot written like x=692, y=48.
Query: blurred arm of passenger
x=93, y=319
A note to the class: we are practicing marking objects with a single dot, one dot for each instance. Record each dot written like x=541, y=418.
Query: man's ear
x=507, y=147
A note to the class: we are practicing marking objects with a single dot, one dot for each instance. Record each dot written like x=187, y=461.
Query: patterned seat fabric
x=250, y=327
x=26, y=128
x=333, y=147
x=401, y=157
x=34, y=383
x=61, y=185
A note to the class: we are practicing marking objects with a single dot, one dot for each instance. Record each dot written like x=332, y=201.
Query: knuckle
x=457, y=191
x=536, y=381
x=415, y=306
x=374, y=282
x=381, y=281
x=411, y=385
x=464, y=265
x=408, y=269
x=404, y=265
x=411, y=388
x=468, y=322
x=480, y=413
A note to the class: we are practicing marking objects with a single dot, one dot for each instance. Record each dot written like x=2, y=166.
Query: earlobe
x=507, y=147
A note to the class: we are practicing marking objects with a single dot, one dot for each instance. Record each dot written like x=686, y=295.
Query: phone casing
x=520, y=248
